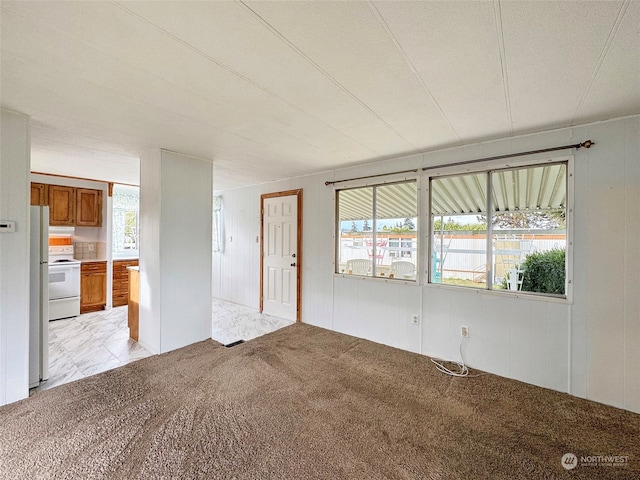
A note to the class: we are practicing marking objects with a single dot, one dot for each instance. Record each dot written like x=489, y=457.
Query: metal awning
x=522, y=189
x=398, y=200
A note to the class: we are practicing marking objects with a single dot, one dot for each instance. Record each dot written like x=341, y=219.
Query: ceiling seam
x=413, y=68
x=497, y=9
x=335, y=81
x=605, y=50
x=240, y=75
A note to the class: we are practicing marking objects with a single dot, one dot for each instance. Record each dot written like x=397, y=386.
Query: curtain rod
x=585, y=144
x=371, y=176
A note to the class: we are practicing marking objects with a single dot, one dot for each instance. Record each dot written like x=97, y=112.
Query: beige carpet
x=306, y=403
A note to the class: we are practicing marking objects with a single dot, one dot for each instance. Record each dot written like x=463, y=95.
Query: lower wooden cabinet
x=120, y=285
x=134, y=303
x=93, y=286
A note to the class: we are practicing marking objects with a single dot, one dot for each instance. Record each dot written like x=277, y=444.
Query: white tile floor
x=232, y=322
x=88, y=344
x=94, y=342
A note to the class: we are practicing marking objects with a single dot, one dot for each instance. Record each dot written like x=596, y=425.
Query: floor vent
x=233, y=344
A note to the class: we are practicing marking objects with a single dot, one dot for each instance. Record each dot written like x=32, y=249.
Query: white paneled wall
x=14, y=257
x=175, y=254
x=589, y=347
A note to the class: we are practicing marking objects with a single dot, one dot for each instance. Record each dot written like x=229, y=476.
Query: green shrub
x=544, y=272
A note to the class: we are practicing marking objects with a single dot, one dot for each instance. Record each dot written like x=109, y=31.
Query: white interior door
x=280, y=256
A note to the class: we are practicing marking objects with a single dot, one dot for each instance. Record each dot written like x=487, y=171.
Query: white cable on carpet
x=463, y=371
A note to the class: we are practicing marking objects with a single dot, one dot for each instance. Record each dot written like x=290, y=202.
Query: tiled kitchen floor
x=88, y=344
x=94, y=342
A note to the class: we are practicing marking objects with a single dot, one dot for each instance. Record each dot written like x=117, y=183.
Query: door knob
x=293, y=264
x=293, y=255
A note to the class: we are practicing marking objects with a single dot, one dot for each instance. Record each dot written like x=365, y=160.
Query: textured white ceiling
x=270, y=90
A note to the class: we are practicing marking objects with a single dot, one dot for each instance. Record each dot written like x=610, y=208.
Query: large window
x=514, y=239
x=377, y=231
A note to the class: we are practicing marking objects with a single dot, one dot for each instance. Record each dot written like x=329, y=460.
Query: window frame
x=126, y=252
x=488, y=168
x=416, y=179
x=424, y=227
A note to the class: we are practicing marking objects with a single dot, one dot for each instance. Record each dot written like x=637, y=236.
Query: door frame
x=287, y=193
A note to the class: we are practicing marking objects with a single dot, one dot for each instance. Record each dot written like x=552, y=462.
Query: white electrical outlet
x=415, y=319
x=464, y=331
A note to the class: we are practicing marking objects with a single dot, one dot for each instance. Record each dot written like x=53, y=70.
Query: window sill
x=394, y=281
x=505, y=293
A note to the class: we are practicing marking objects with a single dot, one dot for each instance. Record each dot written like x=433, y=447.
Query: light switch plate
x=7, y=226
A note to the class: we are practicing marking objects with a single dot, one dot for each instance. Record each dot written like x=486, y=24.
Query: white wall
x=590, y=347
x=175, y=250
x=14, y=257
x=149, y=255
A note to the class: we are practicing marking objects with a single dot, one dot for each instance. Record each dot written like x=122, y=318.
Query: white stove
x=64, y=282
x=62, y=254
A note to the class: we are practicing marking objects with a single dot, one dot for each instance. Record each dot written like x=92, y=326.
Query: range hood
x=61, y=231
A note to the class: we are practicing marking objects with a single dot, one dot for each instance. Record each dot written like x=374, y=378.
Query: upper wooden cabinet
x=69, y=206
x=39, y=194
x=62, y=206
x=88, y=207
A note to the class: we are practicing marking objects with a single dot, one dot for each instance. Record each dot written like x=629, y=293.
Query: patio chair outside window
x=358, y=266
x=403, y=270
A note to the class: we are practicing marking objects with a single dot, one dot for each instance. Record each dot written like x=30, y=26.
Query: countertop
x=87, y=260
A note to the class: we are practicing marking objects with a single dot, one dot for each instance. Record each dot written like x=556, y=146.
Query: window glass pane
x=125, y=235
x=529, y=229
x=395, y=249
x=459, y=245
x=355, y=231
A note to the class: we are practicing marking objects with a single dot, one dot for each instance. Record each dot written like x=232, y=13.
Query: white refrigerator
x=39, y=297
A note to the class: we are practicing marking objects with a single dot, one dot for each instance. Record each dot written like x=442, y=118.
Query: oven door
x=64, y=281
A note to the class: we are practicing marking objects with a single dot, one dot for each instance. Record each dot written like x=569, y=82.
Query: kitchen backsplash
x=90, y=250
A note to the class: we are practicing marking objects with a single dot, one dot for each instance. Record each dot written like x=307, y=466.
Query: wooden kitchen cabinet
x=93, y=286
x=39, y=194
x=120, y=285
x=88, y=207
x=62, y=206
x=134, y=302
x=69, y=206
